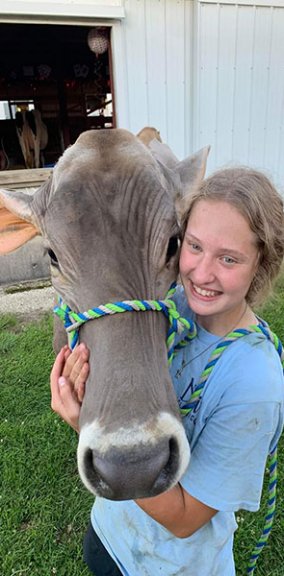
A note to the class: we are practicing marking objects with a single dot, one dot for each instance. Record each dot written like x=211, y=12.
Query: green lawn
x=44, y=507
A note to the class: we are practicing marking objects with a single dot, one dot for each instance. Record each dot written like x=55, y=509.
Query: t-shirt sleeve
x=228, y=462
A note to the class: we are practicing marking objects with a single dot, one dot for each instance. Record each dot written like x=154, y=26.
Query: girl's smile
x=202, y=292
x=218, y=260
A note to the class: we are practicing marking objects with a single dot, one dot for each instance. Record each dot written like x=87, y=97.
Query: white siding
x=201, y=71
x=240, y=86
x=135, y=38
x=205, y=72
x=159, y=67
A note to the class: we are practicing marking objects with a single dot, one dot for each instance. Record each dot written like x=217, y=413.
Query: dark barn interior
x=52, y=69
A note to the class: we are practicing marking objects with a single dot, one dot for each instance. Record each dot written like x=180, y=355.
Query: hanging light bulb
x=98, y=40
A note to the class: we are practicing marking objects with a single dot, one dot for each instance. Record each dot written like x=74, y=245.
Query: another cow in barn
x=32, y=135
x=109, y=222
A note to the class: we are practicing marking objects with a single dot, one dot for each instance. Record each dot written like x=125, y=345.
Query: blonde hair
x=252, y=193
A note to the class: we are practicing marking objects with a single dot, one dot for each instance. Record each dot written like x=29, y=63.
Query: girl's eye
x=229, y=260
x=194, y=247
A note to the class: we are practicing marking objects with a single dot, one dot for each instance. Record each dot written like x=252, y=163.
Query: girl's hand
x=67, y=381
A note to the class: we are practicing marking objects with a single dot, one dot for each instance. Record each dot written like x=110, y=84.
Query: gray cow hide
x=108, y=217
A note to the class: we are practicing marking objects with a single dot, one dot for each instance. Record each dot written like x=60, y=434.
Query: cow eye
x=173, y=246
x=52, y=257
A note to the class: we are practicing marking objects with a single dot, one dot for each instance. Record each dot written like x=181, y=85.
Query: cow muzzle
x=137, y=462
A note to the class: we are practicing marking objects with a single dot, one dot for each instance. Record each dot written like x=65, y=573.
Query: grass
x=44, y=507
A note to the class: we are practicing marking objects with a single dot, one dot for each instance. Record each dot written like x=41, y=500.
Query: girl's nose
x=204, y=271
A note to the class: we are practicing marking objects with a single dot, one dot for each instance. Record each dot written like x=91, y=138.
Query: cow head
x=108, y=219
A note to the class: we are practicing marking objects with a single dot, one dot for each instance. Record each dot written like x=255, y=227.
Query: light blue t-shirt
x=237, y=422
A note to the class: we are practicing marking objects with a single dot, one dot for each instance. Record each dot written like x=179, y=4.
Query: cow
x=108, y=218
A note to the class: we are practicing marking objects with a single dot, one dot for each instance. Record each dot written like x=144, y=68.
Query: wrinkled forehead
x=101, y=152
x=108, y=181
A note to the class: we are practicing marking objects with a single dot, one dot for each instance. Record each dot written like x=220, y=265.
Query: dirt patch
x=27, y=300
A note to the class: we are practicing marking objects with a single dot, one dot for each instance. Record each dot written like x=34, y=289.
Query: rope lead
x=272, y=457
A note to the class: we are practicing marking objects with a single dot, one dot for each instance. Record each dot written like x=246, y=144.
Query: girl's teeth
x=204, y=292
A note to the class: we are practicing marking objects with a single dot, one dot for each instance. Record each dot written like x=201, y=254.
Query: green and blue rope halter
x=177, y=324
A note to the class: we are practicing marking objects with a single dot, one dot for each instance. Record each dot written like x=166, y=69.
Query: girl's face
x=218, y=260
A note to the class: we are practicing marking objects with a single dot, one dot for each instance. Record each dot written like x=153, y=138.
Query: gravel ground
x=27, y=301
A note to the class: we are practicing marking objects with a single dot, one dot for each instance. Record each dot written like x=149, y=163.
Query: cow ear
x=184, y=175
x=163, y=154
x=17, y=224
x=192, y=170
x=188, y=176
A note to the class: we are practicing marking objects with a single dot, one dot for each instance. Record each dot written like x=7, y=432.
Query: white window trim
x=265, y=3
x=63, y=13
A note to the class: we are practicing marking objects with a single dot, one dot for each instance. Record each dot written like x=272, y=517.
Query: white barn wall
x=159, y=62
x=208, y=72
x=201, y=71
x=240, y=86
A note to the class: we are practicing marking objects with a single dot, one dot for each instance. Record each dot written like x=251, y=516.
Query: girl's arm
x=177, y=511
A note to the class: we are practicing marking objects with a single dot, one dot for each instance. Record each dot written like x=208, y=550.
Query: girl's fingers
x=70, y=407
x=76, y=370
x=75, y=362
x=56, y=372
x=68, y=352
x=59, y=363
x=67, y=381
x=64, y=399
x=70, y=361
x=81, y=381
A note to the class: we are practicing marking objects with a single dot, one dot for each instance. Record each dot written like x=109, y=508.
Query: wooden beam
x=13, y=179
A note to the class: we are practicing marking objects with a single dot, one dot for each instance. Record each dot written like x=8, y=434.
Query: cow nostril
x=174, y=453
x=136, y=474
x=170, y=468
x=89, y=467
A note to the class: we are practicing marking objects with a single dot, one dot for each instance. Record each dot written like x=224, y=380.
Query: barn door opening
x=53, y=76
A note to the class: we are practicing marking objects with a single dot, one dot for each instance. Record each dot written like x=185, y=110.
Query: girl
x=232, y=250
